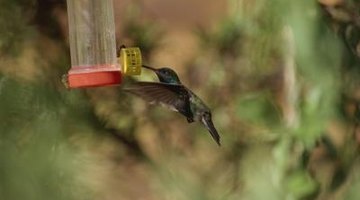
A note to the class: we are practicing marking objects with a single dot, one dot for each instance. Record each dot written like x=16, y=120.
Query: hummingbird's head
x=165, y=75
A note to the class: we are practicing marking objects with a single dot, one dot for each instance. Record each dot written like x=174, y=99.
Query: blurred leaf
x=258, y=110
x=143, y=34
x=301, y=185
x=14, y=19
x=226, y=39
x=38, y=163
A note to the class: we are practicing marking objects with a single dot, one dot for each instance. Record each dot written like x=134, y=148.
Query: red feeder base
x=94, y=79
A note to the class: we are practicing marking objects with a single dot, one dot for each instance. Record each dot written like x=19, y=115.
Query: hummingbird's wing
x=175, y=97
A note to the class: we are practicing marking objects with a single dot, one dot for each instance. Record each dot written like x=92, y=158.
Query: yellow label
x=131, y=61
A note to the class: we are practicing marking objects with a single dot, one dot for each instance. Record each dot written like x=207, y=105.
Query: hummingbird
x=171, y=93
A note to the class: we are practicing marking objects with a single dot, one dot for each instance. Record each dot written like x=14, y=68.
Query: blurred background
x=281, y=77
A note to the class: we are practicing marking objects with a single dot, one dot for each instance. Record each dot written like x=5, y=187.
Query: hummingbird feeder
x=93, y=46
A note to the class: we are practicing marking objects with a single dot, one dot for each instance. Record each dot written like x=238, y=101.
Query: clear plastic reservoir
x=92, y=42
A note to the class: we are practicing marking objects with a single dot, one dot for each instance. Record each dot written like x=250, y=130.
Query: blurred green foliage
x=281, y=78
x=15, y=31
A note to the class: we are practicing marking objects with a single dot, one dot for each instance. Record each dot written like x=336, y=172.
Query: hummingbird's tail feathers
x=212, y=130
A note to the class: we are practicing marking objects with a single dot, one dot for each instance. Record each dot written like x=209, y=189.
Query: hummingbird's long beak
x=211, y=128
x=148, y=67
x=152, y=69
